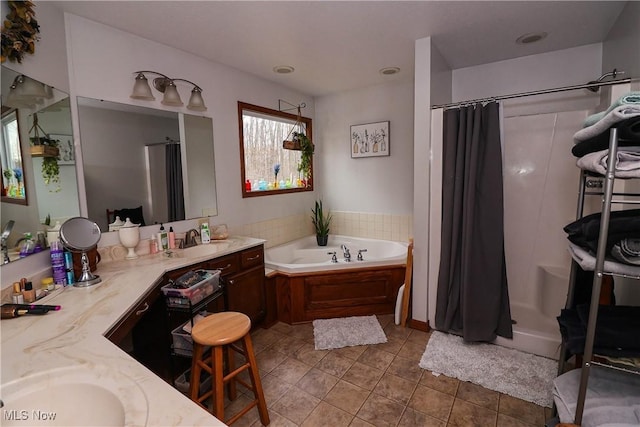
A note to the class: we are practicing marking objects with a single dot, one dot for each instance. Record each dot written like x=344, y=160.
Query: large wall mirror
x=40, y=186
x=132, y=157
x=154, y=166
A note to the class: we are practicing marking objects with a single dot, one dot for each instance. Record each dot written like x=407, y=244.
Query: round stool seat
x=221, y=328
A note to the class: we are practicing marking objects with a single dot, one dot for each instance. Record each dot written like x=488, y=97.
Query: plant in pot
x=50, y=154
x=321, y=222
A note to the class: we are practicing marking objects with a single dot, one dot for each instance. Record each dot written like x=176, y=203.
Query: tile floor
x=372, y=385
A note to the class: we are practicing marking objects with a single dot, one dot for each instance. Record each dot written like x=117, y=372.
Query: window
x=13, y=187
x=268, y=167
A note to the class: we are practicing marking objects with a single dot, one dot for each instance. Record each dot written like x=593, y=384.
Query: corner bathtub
x=308, y=286
x=304, y=255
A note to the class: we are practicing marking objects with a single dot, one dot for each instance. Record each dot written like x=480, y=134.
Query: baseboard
x=419, y=325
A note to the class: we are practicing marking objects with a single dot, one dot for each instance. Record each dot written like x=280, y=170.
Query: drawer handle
x=253, y=258
x=225, y=267
x=142, y=310
x=231, y=282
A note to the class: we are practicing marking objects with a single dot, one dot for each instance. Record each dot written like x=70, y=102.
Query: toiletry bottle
x=205, y=236
x=27, y=245
x=29, y=294
x=164, y=238
x=153, y=244
x=68, y=268
x=172, y=238
x=57, y=263
x=16, y=296
x=47, y=283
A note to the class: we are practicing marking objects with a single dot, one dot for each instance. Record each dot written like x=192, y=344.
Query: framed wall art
x=370, y=140
x=67, y=153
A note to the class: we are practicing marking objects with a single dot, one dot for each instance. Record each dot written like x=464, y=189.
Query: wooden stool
x=225, y=331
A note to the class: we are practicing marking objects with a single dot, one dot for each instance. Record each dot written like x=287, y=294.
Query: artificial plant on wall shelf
x=42, y=145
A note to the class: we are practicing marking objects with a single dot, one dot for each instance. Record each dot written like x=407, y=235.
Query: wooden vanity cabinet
x=142, y=332
x=243, y=276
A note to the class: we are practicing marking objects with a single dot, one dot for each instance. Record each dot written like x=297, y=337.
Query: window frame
x=7, y=112
x=306, y=121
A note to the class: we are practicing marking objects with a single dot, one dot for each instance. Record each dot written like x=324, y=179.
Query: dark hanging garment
x=472, y=297
x=175, y=191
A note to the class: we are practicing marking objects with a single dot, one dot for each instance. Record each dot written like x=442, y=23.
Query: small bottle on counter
x=68, y=268
x=57, y=263
x=172, y=238
x=29, y=294
x=153, y=244
x=205, y=234
x=47, y=283
x=16, y=296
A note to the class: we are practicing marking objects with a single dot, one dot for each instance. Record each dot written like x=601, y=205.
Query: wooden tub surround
x=304, y=297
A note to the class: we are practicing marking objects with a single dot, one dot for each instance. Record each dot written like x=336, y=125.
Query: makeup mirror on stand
x=81, y=235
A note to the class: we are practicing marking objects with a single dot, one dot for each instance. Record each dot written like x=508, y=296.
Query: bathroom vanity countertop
x=74, y=336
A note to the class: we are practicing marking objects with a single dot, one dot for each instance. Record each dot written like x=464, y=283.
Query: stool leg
x=231, y=366
x=255, y=380
x=194, y=389
x=217, y=356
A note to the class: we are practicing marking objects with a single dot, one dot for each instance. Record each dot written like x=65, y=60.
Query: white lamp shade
x=196, y=102
x=171, y=95
x=32, y=88
x=141, y=89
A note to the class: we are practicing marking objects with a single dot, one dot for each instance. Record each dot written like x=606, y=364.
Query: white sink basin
x=74, y=396
x=207, y=249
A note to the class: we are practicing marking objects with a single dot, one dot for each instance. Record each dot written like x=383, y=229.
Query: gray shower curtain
x=175, y=191
x=472, y=298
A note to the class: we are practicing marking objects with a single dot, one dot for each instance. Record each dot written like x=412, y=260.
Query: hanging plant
x=19, y=31
x=307, y=148
x=51, y=172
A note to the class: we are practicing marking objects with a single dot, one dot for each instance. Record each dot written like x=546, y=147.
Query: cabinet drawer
x=227, y=264
x=252, y=257
x=124, y=326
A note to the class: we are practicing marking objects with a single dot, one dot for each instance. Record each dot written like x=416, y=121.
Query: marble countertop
x=42, y=346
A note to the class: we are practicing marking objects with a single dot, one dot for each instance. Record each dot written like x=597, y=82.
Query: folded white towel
x=627, y=162
x=588, y=262
x=613, y=117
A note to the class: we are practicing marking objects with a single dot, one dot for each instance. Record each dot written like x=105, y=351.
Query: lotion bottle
x=172, y=238
x=164, y=238
x=205, y=235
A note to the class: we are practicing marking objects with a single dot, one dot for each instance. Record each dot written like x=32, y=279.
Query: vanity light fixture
x=25, y=92
x=166, y=85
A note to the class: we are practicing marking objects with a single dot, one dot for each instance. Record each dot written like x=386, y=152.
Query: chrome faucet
x=360, y=254
x=334, y=258
x=346, y=253
x=190, y=238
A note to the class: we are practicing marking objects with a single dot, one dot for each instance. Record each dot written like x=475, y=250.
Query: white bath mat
x=518, y=374
x=347, y=331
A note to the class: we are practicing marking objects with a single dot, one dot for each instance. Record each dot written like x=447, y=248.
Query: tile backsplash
x=356, y=224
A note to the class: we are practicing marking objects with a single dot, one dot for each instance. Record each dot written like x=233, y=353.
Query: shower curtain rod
x=589, y=85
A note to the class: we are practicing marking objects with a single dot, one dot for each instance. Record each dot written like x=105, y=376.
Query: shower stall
x=540, y=197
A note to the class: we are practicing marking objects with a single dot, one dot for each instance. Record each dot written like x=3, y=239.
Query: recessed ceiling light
x=531, y=38
x=283, y=69
x=388, y=71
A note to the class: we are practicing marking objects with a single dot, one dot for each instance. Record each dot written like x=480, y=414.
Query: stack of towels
x=592, y=141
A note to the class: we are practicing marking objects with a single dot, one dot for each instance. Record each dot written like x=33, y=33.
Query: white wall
x=101, y=64
x=621, y=49
x=372, y=184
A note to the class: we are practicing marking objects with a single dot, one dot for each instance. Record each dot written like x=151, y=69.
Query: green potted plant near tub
x=321, y=222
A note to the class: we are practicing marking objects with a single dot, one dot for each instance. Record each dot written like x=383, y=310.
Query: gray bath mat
x=518, y=374
x=347, y=331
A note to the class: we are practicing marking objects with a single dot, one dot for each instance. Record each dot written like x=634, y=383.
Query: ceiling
x=336, y=46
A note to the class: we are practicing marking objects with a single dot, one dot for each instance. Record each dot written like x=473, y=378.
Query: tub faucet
x=334, y=258
x=360, y=254
x=346, y=253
